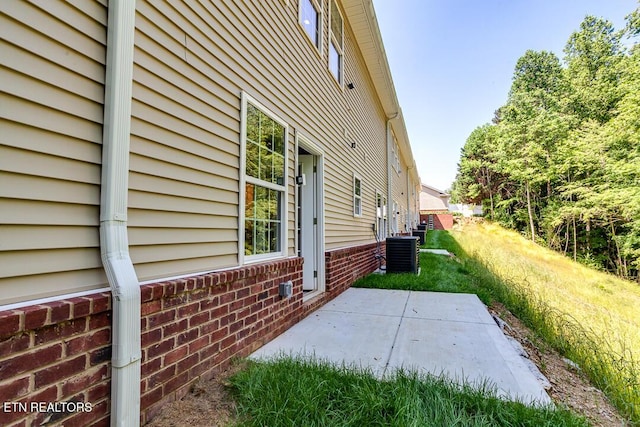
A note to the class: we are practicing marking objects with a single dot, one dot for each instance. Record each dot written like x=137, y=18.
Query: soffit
x=362, y=19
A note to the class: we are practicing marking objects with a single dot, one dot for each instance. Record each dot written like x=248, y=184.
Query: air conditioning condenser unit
x=403, y=254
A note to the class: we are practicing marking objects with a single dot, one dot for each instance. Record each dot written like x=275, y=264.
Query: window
x=264, y=182
x=396, y=158
x=357, y=196
x=336, y=44
x=310, y=19
x=381, y=216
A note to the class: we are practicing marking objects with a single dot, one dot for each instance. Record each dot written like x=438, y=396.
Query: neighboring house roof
x=433, y=199
x=426, y=187
x=434, y=190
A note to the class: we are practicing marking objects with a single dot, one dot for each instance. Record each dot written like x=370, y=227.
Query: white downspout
x=114, y=246
x=389, y=176
x=409, y=218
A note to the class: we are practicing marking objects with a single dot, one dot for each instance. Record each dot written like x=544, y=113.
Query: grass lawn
x=438, y=273
x=295, y=392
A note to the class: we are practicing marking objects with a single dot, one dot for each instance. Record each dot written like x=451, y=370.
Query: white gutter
x=114, y=246
x=389, y=176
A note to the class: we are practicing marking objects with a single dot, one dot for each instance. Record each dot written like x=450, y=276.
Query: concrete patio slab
x=363, y=340
x=429, y=332
x=382, y=302
x=445, y=306
x=436, y=251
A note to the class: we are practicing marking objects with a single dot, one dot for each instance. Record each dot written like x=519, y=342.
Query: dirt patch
x=569, y=387
x=210, y=403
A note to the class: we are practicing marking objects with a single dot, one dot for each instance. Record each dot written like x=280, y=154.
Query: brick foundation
x=190, y=328
x=194, y=326
x=343, y=267
x=441, y=221
x=56, y=352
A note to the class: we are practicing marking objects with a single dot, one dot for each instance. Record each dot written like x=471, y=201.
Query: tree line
x=560, y=160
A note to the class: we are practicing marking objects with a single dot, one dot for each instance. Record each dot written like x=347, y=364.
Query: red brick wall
x=343, y=267
x=441, y=221
x=56, y=352
x=191, y=327
x=61, y=351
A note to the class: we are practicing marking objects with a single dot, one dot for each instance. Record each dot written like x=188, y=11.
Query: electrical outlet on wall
x=285, y=289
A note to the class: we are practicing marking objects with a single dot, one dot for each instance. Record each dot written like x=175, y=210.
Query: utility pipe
x=410, y=216
x=114, y=246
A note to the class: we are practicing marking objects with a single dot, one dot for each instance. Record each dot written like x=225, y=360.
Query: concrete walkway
x=432, y=332
x=436, y=251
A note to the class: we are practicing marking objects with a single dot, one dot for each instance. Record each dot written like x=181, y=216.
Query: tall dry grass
x=590, y=316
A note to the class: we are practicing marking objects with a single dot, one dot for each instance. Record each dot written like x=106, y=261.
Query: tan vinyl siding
x=52, y=283
x=52, y=79
x=31, y=212
x=184, y=153
x=399, y=189
x=369, y=159
x=192, y=61
x=291, y=203
x=47, y=261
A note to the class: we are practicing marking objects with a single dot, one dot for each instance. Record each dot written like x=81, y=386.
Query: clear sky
x=452, y=62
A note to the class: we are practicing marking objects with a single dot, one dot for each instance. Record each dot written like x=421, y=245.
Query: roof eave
x=362, y=18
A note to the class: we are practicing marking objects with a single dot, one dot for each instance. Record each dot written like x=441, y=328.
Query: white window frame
x=244, y=179
x=396, y=157
x=357, y=198
x=336, y=43
x=381, y=215
x=317, y=5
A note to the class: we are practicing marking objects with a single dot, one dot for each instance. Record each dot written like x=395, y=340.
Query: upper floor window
x=264, y=179
x=396, y=157
x=336, y=44
x=310, y=19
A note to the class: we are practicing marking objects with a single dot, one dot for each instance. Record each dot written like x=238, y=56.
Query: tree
x=477, y=176
x=593, y=55
x=561, y=159
x=531, y=125
x=633, y=23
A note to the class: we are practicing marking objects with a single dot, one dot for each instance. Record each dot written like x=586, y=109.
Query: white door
x=308, y=218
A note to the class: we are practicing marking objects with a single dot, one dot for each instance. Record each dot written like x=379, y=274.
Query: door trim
x=314, y=149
